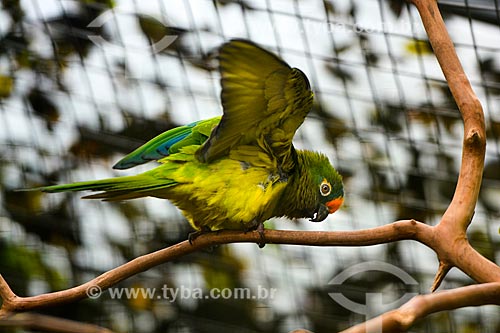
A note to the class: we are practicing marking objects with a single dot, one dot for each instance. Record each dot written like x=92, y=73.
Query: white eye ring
x=325, y=188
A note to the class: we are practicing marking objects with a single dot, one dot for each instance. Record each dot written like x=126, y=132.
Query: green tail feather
x=112, y=189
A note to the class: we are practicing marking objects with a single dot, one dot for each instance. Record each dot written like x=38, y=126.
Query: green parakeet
x=241, y=169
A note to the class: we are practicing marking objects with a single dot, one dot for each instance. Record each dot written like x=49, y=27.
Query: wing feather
x=169, y=142
x=264, y=102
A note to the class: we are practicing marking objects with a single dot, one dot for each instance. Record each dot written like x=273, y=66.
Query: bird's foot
x=195, y=234
x=259, y=227
x=260, y=230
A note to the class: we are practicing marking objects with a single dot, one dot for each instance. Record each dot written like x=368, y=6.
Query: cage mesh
x=85, y=82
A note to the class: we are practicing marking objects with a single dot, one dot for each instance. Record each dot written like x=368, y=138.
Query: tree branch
x=420, y=306
x=443, y=269
x=41, y=322
x=400, y=230
x=452, y=249
x=456, y=219
x=406, y=229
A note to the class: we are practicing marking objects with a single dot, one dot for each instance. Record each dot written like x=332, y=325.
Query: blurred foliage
x=43, y=107
x=155, y=30
x=488, y=196
x=103, y=143
x=335, y=127
x=6, y=86
x=419, y=190
x=241, y=3
x=54, y=226
x=23, y=266
x=419, y=47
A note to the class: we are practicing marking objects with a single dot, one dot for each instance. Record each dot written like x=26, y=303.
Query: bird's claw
x=195, y=234
x=259, y=227
x=260, y=230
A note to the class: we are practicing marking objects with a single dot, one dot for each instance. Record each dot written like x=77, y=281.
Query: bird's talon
x=195, y=234
x=260, y=230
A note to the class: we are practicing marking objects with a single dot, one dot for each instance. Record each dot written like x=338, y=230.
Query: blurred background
x=84, y=82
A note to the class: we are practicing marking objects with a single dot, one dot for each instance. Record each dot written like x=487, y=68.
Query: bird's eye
x=325, y=188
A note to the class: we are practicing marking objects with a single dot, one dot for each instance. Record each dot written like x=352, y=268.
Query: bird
x=238, y=170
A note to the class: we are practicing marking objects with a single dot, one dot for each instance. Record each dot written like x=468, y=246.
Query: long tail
x=113, y=189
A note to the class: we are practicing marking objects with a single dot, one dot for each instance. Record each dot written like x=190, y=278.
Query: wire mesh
x=84, y=82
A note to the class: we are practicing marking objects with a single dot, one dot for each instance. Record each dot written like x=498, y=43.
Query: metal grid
x=69, y=108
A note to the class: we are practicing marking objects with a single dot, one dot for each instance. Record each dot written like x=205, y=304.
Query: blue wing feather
x=164, y=145
x=168, y=143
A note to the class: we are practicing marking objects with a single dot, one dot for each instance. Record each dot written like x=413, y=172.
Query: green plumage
x=238, y=170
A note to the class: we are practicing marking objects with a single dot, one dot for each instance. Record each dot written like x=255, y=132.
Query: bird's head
x=314, y=191
x=330, y=198
x=327, y=188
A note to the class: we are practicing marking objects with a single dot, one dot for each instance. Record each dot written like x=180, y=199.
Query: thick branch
x=452, y=246
x=400, y=230
x=456, y=219
x=420, y=306
x=408, y=229
x=461, y=254
x=459, y=213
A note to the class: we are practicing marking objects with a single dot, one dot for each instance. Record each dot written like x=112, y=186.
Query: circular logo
x=374, y=299
x=93, y=292
x=109, y=14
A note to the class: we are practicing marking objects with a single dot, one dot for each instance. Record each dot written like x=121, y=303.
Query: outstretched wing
x=169, y=142
x=264, y=101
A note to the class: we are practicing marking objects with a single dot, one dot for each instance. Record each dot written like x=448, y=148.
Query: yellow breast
x=226, y=194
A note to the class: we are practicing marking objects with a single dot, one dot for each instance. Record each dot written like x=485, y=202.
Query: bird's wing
x=264, y=102
x=169, y=142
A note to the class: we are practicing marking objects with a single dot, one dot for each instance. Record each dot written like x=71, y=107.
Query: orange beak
x=334, y=204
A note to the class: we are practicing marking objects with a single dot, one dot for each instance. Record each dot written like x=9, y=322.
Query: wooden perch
x=407, y=229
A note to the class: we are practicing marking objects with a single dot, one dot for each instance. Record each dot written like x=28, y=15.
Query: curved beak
x=322, y=211
x=320, y=214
